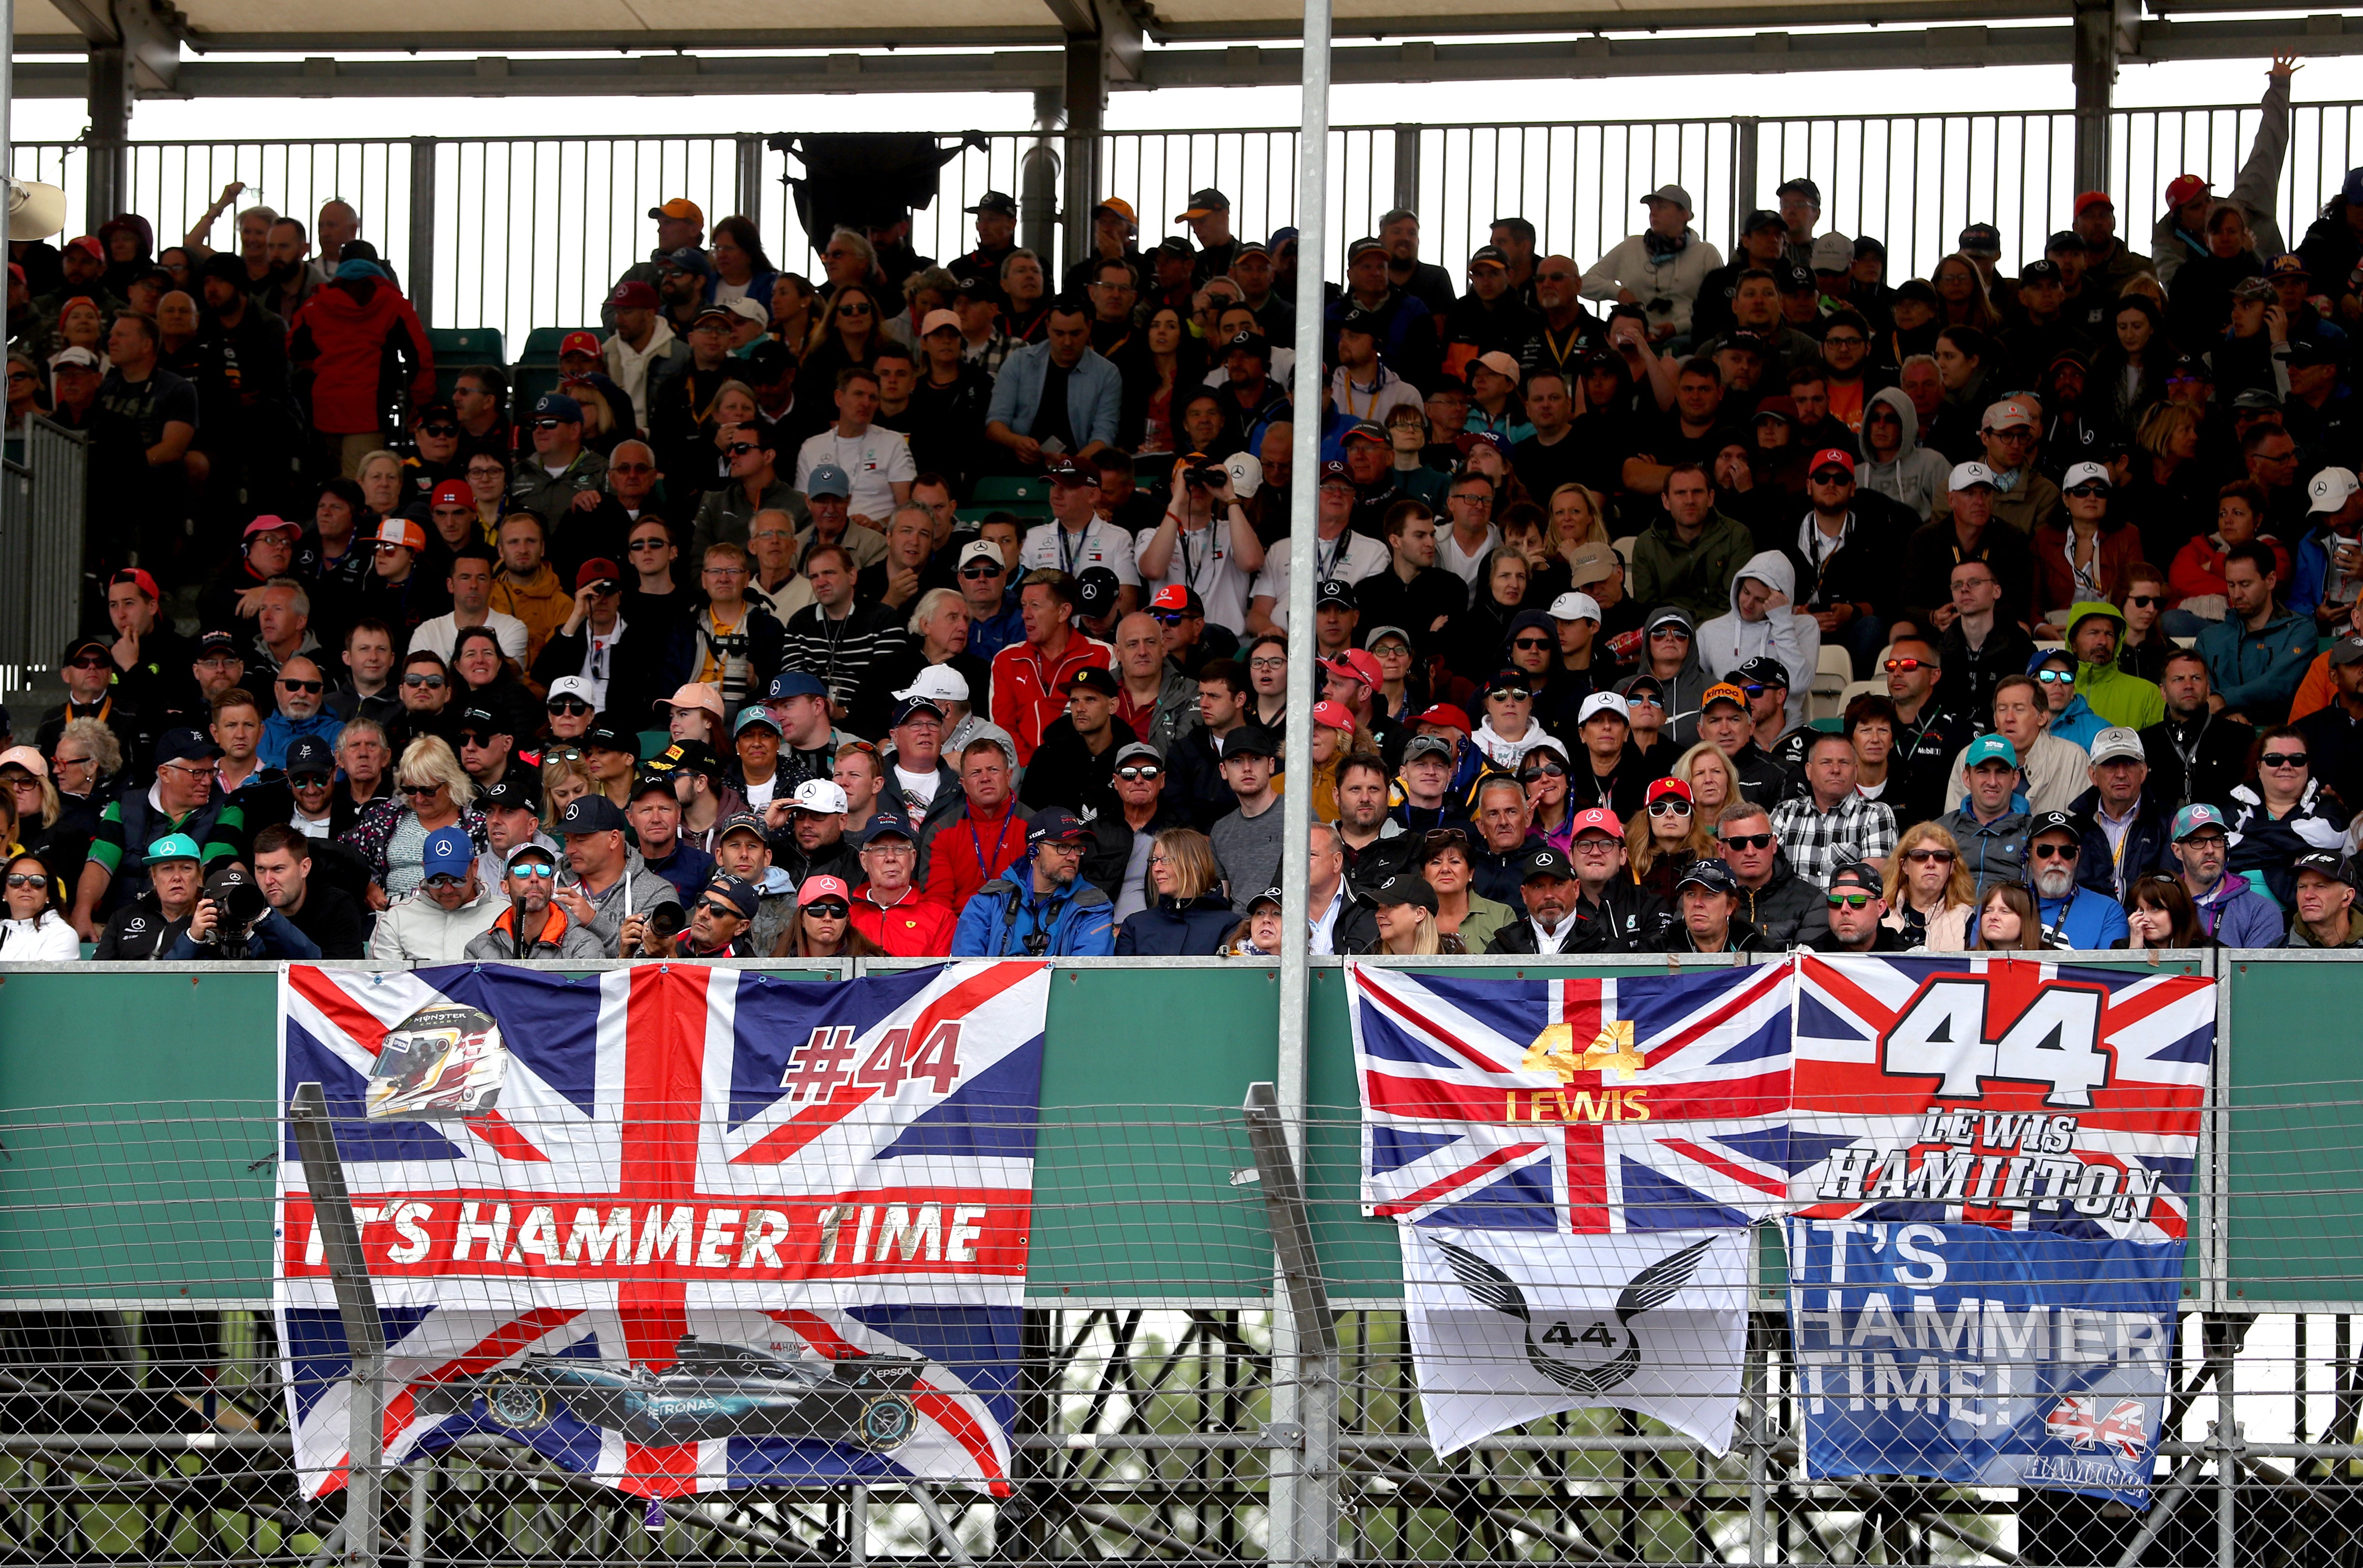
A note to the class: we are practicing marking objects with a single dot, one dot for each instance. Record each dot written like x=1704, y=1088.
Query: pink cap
x=696, y=693
x=818, y=887
x=267, y=524
x=1333, y=715
x=936, y=320
x=27, y=758
x=1597, y=819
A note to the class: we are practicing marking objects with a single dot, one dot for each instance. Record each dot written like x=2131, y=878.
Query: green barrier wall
x=155, y=1183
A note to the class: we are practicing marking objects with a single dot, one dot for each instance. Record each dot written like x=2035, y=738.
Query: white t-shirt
x=1449, y=556
x=310, y=829
x=443, y=631
x=875, y=460
x=918, y=788
x=1103, y=543
x=598, y=660
x=1349, y=559
x=759, y=796
x=1202, y=559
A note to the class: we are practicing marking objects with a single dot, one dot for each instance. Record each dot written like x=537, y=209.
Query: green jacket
x=1694, y=576
x=2107, y=690
x=1484, y=918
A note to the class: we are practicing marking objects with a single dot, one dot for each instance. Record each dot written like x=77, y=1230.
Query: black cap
x=1761, y=219
x=208, y=642
x=1251, y=741
x=1269, y=896
x=1918, y=290
x=481, y=721
x=185, y=746
x=995, y=202
x=512, y=791
x=646, y=782
x=1795, y=280
x=1175, y=245
x=2066, y=239
x=2055, y=822
x=2039, y=272
x=1854, y=874
x=1255, y=344
x=1545, y=861
x=1054, y=826
x=310, y=754
x=1405, y=887
x=1096, y=591
x=1357, y=319
x=81, y=644
x=1762, y=671
x=1864, y=245
x=606, y=737
x=767, y=360
x=1710, y=874
x=1802, y=187
x=1092, y=678
x=1487, y=256
x=2332, y=866
x=1332, y=591
x=736, y=891
x=590, y=813
x=687, y=757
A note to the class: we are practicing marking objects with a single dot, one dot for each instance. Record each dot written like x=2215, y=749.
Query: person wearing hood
x=2085, y=919
x=130, y=248
x=531, y=926
x=1669, y=663
x=1894, y=463
x=343, y=347
x=2095, y=630
x=1761, y=622
x=1708, y=900
x=2180, y=235
x=1659, y=268
x=1689, y=556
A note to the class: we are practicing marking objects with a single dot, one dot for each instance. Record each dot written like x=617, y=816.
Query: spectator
x=823, y=927
x=1660, y=269
x=1832, y=825
x=2071, y=916
x=1187, y=912
x=2231, y=911
x=1928, y=892
x=1046, y=911
x=1690, y=555
x=446, y=907
x=432, y=792
x=344, y=344
x=1027, y=409
x=329, y=920
x=180, y=804
x=2325, y=903
x=837, y=637
x=530, y=924
x=2195, y=754
x=33, y=931
x=153, y=921
x=888, y=908
x=1707, y=919
x=2256, y=654
x=2282, y=812
x=1203, y=543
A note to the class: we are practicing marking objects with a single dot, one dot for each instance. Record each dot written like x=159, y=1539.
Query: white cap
x=1246, y=469
x=1599, y=703
x=981, y=550
x=1575, y=607
x=821, y=794
x=937, y=683
x=2331, y=489
x=750, y=307
x=1968, y=473
x=2080, y=473
x=2116, y=742
x=574, y=686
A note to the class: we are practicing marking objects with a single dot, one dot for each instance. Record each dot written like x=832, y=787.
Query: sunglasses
x=857, y=308
x=739, y=449
x=2056, y=677
x=420, y=792
x=1162, y=617
x=1832, y=476
x=2088, y=491
x=1531, y=644
x=1748, y=840
x=1136, y=772
x=445, y=879
x=569, y=705
x=638, y=545
x=1550, y=768
x=98, y=662
x=27, y=879
x=1671, y=634
x=439, y=430
x=309, y=781
x=550, y=424
x=1905, y=666
x=627, y=467
x=1671, y=805
x=2284, y=758
x=432, y=683
x=1849, y=900
x=980, y=572
x=826, y=908
x=1516, y=694
x=311, y=688
x=2053, y=852
x=533, y=868
x=2143, y=601
x=1943, y=856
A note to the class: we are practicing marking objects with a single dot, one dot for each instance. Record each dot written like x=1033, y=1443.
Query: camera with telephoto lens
x=239, y=904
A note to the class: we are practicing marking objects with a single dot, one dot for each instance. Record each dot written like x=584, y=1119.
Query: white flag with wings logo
x=1511, y=1325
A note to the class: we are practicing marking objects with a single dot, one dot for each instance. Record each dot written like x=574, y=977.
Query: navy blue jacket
x=1171, y=928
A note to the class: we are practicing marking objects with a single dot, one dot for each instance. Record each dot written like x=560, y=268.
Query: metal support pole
x=1304, y=1350
x=105, y=180
x=421, y=273
x=1743, y=175
x=1406, y=171
x=1037, y=182
x=748, y=179
x=2093, y=68
x=7, y=87
x=340, y=1240
x=422, y=1498
x=1086, y=106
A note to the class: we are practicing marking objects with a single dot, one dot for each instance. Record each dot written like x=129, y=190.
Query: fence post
x=421, y=275
x=1743, y=175
x=1303, y=1510
x=341, y=1238
x=750, y=179
x=1407, y=167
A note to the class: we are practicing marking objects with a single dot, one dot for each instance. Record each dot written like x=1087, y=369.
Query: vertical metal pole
x=1406, y=172
x=1756, y=1371
x=7, y=87
x=2093, y=67
x=1743, y=175
x=422, y=1497
x=1038, y=182
x=110, y=129
x=1303, y=1511
x=421, y=275
x=340, y=1238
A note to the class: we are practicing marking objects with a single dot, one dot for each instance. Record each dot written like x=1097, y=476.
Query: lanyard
x=1326, y=566
x=1065, y=560
x=1189, y=562
x=1000, y=842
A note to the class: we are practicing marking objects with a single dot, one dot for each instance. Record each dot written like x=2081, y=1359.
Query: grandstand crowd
x=1670, y=602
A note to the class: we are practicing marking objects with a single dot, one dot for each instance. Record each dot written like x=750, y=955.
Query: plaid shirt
x=1817, y=842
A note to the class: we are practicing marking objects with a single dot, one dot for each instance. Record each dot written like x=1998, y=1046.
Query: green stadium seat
x=541, y=343
x=1002, y=489
x=456, y=348
x=653, y=741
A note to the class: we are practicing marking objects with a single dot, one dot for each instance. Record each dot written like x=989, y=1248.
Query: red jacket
x=968, y=851
x=351, y=349
x=913, y=927
x=2197, y=568
x=1026, y=694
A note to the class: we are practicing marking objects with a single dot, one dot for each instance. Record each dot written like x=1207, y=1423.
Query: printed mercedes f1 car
x=712, y=1390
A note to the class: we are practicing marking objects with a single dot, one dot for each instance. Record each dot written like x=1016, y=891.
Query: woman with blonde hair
x=432, y=791
x=1713, y=783
x=1405, y=922
x=1929, y=894
x=1664, y=840
x=565, y=776
x=1575, y=520
x=1187, y=913
x=381, y=482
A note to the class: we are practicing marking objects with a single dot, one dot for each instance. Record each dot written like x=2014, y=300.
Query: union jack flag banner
x=1992, y=1197
x=678, y=1229
x=1584, y=1106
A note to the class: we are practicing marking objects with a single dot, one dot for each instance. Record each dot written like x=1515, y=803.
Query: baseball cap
x=2346, y=651
x=1594, y=819
x=1251, y=741
x=1416, y=747
x=2290, y=267
x=1064, y=469
x=1091, y=678
x=681, y=208
x=1333, y=715
x=2324, y=864
x=1802, y=185
x=1499, y=363
x=480, y=720
x=816, y=888
x=910, y=708
x=1269, y=896
x=1143, y=749
x=579, y=343
x=999, y=202
x=1854, y=873
x=2087, y=199
x=453, y=492
x=2331, y=489
x=1761, y=671
x=2043, y=822
x=1575, y=607
x=2042, y=270
x=1356, y=664
x=598, y=569
x=185, y=746
x=528, y=847
x=936, y=320
x=1336, y=472
x=307, y=755
x=795, y=683
x=1666, y=786
x=2256, y=399
x=1980, y=239
x=81, y=644
x=2254, y=291
x=1599, y=703
x=2117, y=743
x=1119, y=207
x=820, y=797
x=2195, y=818
x=1545, y=861
x=136, y=576
x=686, y=757
x=1056, y=827
x=401, y=531
x=740, y=822
x=1709, y=873
x=1095, y=592
x=649, y=782
x=2065, y=239
x=1333, y=591
x=754, y=713
x=887, y=825
x=937, y=683
x=693, y=694
x=1204, y=202
x=1833, y=253
x=1990, y=748
x=2185, y=188
x=1445, y=714
x=1590, y=563
x=1965, y=474
x=1723, y=691
x=634, y=295
x=75, y=357
x=981, y=550
x=559, y=406
x=2008, y=415
x=448, y=852
x=1492, y=256
x=1254, y=343
x=1667, y=615
x=1831, y=455
x=1763, y=218
x=268, y=524
x=216, y=642
x=1405, y=887
x=2087, y=474
x=512, y=791
x=574, y=686
x=1366, y=430
x=173, y=847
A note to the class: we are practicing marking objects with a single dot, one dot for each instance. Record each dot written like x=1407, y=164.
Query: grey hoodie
x=1727, y=642
x=637, y=891
x=1918, y=476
